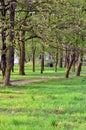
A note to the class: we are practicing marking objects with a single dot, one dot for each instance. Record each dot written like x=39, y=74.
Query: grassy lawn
x=54, y=104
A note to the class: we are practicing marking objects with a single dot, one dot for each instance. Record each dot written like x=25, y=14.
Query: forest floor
x=45, y=101
x=51, y=104
x=26, y=81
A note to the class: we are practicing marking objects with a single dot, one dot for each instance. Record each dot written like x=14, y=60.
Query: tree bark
x=70, y=65
x=33, y=55
x=56, y=61
x=10, y=50
x=79, y=65
x=42, y=64
x=42, y=59
x=33, y=58
x=61, y=62
x=65, y=62
x=3, y=36
x=67, y=59
x=8, y=66
x=22, y=54
x=73, y=67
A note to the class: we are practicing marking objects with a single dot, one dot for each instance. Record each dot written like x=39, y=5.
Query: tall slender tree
x=10, y=48
x=3, y=36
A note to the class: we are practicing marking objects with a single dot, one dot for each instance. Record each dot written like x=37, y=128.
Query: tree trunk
x=61, y=62
x=22, y=54
x=42, y=59
x=3, y=60
x=13, y=61
x=10, y=51
x=65, y=62
x=73, y=67
x=33, y=60
x=3, y=36
x=42, y=63
x=22, y=59
x=33, y=55
x=56, y=61
x=79, y=65
x=67, y=58
x=8, y=66
x=70, y=65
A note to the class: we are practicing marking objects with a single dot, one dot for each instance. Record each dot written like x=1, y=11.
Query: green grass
x=54, y=104
x=49, y=72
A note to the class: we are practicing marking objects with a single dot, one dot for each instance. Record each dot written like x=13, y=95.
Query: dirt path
x=26, y=81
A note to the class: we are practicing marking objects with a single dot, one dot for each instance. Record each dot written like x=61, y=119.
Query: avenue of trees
x=33, y=28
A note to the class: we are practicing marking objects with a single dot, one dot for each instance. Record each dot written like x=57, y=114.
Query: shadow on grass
x=55, y=86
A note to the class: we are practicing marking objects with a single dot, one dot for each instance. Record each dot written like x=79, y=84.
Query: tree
x=10, y=48
x=3, y=36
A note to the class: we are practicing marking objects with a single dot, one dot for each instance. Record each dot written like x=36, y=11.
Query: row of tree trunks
x=72, y=64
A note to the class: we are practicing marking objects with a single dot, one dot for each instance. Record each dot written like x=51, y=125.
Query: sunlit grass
x=53, y=104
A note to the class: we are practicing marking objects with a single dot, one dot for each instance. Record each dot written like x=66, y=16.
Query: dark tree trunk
x=42, y=59
x=13, y=61
x=61, y=59
x=33, y=58
x=79, y=65
x=42, y=63
x=3, y=36
x=64, y=62
x=10, y=51
x=67, y=59
x=56, y=61
x=73, y=67
x=8, y=66
x=22, y=55
x=3, y=60
x=33, y=55
x=61, y=62
x=70, y=65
